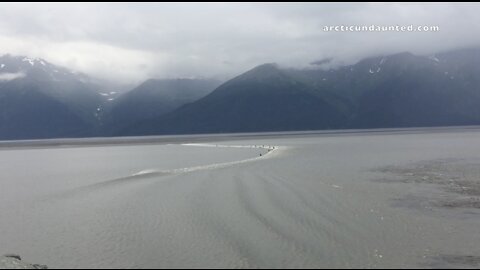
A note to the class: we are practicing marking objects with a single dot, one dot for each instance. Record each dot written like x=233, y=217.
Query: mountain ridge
x=398, y=90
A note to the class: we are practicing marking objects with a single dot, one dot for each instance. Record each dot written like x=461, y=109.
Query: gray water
x=354, y=200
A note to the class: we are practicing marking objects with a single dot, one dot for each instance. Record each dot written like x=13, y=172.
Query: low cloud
x=11, y=76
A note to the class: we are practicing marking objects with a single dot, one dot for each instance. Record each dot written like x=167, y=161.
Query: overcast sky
x=132, y=42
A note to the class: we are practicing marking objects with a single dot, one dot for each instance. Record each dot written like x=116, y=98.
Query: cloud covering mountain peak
x=133, y=42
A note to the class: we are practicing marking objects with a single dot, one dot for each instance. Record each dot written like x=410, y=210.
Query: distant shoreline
x=204, y=138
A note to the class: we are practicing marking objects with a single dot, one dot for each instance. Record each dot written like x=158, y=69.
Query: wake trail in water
x=151, y=173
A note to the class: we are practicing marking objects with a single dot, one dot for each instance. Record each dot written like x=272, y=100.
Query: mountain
x=405, y=90
x=400, y=90
x=156, y=97
x=41, y=100
x=265, y=98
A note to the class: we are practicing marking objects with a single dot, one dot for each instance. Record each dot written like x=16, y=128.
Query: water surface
x=368, y=200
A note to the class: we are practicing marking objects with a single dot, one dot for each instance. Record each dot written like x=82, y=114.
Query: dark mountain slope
x=154, y=98
x=262, y=99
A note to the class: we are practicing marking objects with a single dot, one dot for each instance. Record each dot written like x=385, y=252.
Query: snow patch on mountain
x=29, y=60
x=434, y=58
